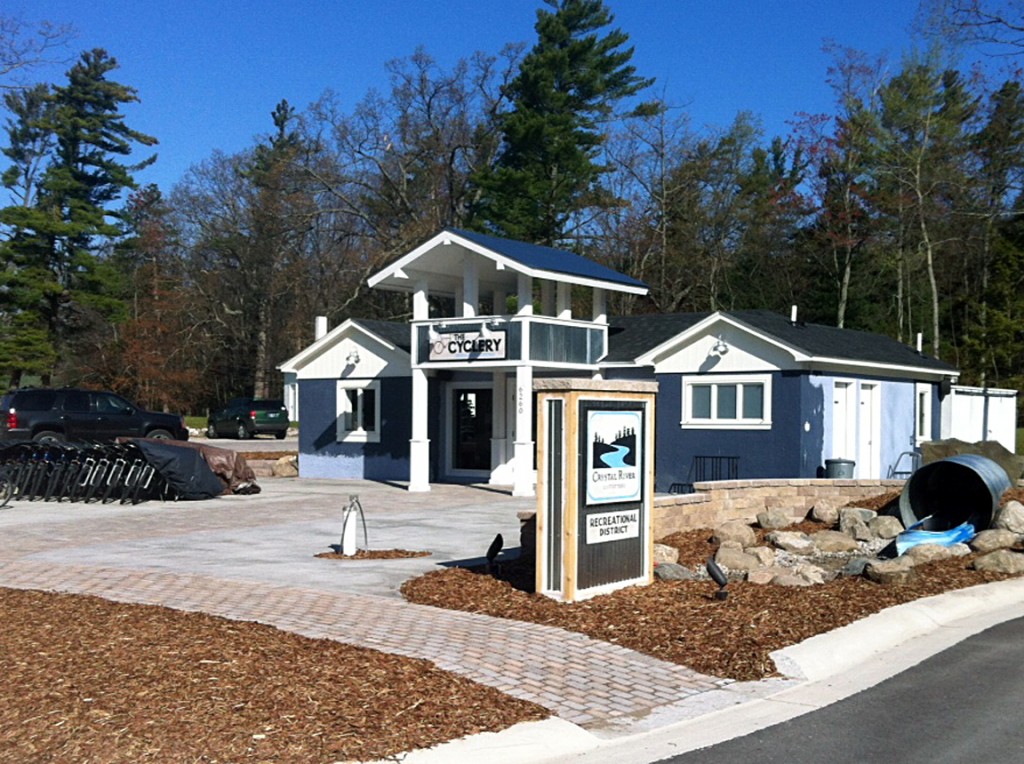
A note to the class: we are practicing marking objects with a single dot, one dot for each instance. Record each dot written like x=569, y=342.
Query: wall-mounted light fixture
x=720, y=348
x=352, y=358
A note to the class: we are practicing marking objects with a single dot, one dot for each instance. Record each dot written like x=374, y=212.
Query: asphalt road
x=963, y=704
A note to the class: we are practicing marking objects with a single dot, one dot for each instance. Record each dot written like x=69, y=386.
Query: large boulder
x=885, y=527
x=734, y=530
x=792, y=541
x=774, y=519
x=1010, y=517
x=736, y=560
x=665, y=553
x=833, y=541
x=929, y=553
x=1001, y=561
x=898, y=571
x=670, y=571
x=826, y=510
x=993, y=539
x=765, y=555
x=286, y=466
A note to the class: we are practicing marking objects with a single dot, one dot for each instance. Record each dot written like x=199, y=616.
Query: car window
x=35, y=400
x=268, y=405
x=76, y=401
x=108, y=403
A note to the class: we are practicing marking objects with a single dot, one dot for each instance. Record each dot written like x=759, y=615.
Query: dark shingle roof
x=632, y=336
x=395, y=332
x=548, y=258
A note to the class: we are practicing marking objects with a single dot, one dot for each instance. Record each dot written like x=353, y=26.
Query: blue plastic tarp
x=916, y=535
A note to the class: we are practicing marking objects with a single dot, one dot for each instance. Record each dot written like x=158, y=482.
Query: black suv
x=74, y=414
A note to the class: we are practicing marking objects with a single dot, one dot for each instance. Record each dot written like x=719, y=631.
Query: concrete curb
x=820, y=671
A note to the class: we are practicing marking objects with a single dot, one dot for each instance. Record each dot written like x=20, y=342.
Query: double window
x=741, y=402
x=359, y=411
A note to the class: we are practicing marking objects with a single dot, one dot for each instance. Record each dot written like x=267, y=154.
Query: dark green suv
x=245, y=417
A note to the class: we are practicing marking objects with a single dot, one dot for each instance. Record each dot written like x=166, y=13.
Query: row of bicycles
x=114, y=472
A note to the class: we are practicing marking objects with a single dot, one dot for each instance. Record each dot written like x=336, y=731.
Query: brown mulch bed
x=373, y=554
x=681, y=622
x=87, y=680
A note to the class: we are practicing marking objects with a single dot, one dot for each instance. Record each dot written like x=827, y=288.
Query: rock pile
x=851, y=542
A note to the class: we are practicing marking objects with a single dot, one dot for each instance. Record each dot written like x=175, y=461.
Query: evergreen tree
x=58, y=230
x=567, y=89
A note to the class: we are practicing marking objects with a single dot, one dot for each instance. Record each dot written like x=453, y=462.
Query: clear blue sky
x=209, y=73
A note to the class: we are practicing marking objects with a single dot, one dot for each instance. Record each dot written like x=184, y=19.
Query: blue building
x=449, y=397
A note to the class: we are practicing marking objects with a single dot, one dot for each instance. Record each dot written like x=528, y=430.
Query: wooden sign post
x=595, y=485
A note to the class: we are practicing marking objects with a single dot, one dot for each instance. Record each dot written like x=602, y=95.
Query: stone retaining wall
x=715, y=503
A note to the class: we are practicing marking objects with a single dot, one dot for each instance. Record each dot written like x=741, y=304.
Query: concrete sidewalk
x=252, y=558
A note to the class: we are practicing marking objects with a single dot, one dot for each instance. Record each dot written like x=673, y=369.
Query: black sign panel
x=612, y=469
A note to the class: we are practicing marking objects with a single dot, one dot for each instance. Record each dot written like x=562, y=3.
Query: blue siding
x=763, y=453
x=320, y=453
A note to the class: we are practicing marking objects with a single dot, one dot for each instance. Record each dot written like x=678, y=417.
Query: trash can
x=839, y=469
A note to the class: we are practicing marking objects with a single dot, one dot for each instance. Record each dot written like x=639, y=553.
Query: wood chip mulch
x=87, y=680
x=373, y=554
x=680, y=622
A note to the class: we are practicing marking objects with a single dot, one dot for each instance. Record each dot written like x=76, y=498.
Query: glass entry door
x=471, y=428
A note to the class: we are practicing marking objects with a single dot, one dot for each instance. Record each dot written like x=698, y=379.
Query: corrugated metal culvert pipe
x=963, y=488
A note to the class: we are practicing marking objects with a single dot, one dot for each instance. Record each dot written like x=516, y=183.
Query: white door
x=869, y=432
x=844, y=422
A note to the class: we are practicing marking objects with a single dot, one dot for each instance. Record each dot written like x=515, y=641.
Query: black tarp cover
x=184, y=469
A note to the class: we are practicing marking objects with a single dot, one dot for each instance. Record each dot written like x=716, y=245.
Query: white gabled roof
x=439, y=263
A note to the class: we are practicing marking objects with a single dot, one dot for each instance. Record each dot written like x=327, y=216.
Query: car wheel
x=48, y=436
x=243, y=432
x=280, y=435
x=159, y=435
x=211, y=431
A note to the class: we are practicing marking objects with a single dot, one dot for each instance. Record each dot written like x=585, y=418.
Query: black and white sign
x=466, y=346
x=613, y=526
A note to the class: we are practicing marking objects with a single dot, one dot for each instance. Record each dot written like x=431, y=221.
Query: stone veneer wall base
x=715, y=503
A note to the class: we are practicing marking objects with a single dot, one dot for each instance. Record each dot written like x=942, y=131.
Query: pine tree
x=64, y=216
x=566, y=91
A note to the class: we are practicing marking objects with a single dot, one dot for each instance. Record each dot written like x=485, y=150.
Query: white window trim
x=342, y=403
x=690, y=423
x=922, y=413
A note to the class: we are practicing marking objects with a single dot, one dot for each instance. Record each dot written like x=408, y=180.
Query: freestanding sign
x=595, y=485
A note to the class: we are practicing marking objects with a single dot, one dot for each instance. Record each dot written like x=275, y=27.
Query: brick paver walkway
x=591, y=683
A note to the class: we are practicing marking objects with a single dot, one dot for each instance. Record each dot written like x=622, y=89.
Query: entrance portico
x=484, y=278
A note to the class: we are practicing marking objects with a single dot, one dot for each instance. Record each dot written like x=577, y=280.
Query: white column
x=419, y=445
x=470, y=286
x=563, y=301
x=420, y=304
x=599, y=310
x=522, y=465
x=599, y=315
x=501, y=470
x=524, y=293
x=547, y=298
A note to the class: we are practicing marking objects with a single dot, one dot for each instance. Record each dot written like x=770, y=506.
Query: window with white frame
x=923, y=428
x=359, y=411
x=740, y=402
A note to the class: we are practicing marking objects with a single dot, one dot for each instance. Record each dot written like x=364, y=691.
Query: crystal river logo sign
x=613, y=463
